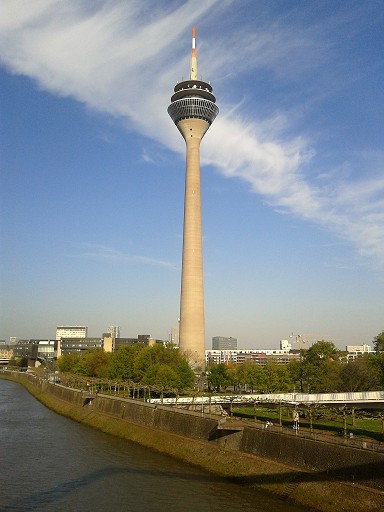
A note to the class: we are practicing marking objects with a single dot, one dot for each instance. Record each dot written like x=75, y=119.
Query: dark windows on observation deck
x=193, y=107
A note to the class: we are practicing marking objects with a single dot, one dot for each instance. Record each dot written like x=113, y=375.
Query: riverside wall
x=323, y=477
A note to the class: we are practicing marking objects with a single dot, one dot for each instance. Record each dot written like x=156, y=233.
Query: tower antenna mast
x=193, y=63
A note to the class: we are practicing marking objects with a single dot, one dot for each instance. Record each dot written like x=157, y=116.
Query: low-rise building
x=6, y=354
x=26, y=349
x=47, y=350
x=258, y=357
x=224, y=343
x=355, y=351
x=77, y=345
x=71, y=331
x=145, y=339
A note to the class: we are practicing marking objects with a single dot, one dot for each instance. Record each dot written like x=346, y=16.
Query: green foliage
x=162, y=375
x=67, y=363
x=96, y=363
x=322, y=368
x=378, y=342
x=378, y=363
x=218, y=377
x=362, y=374
x=272, y=378
x=21, y=362
x=154, y=365
x=185, y=374
x=93, y=363
x=122, y=364
x=329, y=421
x=251, y=376
x=256, y=378
x=319, y=369
x=277, y=379
x=165, y=361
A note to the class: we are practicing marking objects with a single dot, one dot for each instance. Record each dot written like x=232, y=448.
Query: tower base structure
x=192, y=330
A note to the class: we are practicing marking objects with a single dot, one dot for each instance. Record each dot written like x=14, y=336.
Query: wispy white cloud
x=121, y=57
x=104, y=253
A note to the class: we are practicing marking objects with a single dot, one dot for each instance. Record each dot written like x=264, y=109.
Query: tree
x=96, y=362
x=277, y=379
x=123, y=363
x=161, y=375
x=22, y=362
x=218, y=377
x=185, y=375
x=320, y=368
x=68, y=362
x=256, y=377
x=234, y=375
x=321, y=351
x=161, y=357
x=378, y=342
x=296, y=372
x=247, y=376
x=361, y=374
x=149, y=355
x=378, y=362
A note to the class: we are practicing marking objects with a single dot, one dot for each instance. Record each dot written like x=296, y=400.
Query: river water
x=51, y=463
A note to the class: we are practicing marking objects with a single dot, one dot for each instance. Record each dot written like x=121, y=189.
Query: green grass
x=324, y=420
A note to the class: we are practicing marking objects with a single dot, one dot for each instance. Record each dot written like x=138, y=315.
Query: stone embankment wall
x=321, y=476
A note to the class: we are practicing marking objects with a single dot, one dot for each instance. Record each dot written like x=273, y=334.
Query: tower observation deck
x=193, y=110
x=193, y=99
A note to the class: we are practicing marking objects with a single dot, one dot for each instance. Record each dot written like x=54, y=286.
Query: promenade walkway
x=360, y=400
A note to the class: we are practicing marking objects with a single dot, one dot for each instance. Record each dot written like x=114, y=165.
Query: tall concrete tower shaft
x=193, y=110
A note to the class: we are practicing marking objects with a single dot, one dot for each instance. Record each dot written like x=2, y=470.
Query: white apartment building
x=259, y=357
x=355, y=351
x=114, y=331
x=71, y=331
x=174, y=335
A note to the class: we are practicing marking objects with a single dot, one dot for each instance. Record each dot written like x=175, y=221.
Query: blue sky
x=92, y=167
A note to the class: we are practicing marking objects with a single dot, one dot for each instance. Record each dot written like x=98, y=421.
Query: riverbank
x=237, y=454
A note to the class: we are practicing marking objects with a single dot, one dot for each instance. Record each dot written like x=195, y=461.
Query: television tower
x=193, y=110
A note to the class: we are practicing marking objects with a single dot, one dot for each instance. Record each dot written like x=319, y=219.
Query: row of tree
x=156, y=365
x=320, y=369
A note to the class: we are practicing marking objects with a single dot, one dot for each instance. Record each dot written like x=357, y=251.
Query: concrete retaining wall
x=340, y=461
x=350, y=464
x=183, y=423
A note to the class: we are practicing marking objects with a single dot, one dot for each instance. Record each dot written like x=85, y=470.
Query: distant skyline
x=92, y=168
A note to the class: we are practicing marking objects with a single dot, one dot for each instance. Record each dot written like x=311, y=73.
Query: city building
x=26, y=349
x=223, y=343
x=193, y=110
x=114, y=330
x=355, y=351
x=71, y=331
x=174, y=335
x=285, y=345
x=77, y=345
x=144, y=339
x=108, y=342
x=34, y=350
x=121, y=342
x=6, y=354
x=47, y=350
x=258, y=357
